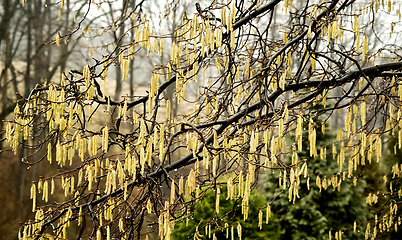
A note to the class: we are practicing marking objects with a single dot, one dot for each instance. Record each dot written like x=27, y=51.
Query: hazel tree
x=254, y=88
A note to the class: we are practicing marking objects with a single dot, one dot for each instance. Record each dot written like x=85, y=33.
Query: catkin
x=365, y=47
x=105, y=139
x=299, y=132
x=172, y=192
x=223, y=16
x=45, y=191
x=239, y=230
x=218, y=193
x=49, y=152
x=33, y=197
x=168, y=109
x=161, y=47
x=149, y=206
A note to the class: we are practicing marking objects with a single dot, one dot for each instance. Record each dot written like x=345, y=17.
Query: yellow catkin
x=230, y=188
x=124, y=111
x=156, y=50
x=218, y=193
x=378, y=147
x=33, y=197
x=161, y=47
x=149, y=206
x=49, y=152
x=239, y=230
x=318, y=182
x=125, y=66
x=45, y=191
x=268, y=213
x=365, y=47
x=348, y=121
x=312, y=139
x=172, y=192
x=105, y=139
x=358, y=42
x=86, y=72
x=168, y=110
x=52, y=187
x=80, y=218
x=223, y=16
x=363, y=112
x=299, y=132
x=260, y=219
x=313, y=13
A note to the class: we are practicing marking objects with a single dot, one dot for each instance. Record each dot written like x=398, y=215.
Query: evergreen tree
x=319, y=210
x=391, y=158
x=231, y=213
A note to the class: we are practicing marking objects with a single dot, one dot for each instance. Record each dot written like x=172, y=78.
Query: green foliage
x=394, y=152
x=316, y=213
x=392, y=156
x=230, y=213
